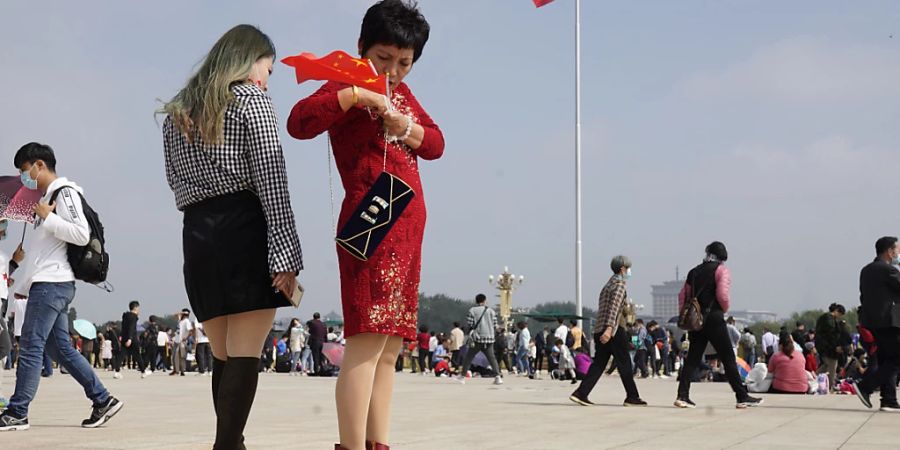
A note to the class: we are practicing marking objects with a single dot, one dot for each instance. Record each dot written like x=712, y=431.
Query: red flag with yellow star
x=337, y=66
x=539, y=3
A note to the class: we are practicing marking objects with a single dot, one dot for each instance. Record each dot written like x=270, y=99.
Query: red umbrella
x=17, y=201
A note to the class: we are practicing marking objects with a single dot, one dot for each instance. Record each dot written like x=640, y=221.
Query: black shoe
x=890, y=407
x=580, y=400
x=10, y=423
x=634, y=402
x=863, y=397
x=101, y=414
x=685, y=403
x=574, y=381
x=748, y=402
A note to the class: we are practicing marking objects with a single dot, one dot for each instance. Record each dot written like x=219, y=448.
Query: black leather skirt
x=226, y=269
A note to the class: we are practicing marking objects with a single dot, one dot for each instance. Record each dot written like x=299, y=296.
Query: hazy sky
x=771, y=126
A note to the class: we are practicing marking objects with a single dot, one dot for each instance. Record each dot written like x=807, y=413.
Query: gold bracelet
x=355, y=96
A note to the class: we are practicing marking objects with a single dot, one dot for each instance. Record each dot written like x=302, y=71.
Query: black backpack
x=90, y=262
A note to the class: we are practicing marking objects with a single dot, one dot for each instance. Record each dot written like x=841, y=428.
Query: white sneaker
x=665, y=377
x=460, y=380
x=146, y=373
x=498, y=380
x=117, y=376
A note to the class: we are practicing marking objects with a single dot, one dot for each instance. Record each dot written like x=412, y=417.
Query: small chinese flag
x=337, y=66
x=539, y=3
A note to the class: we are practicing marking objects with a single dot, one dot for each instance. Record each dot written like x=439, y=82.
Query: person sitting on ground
x=812, y=355
x=788, y=368
x=856, y=366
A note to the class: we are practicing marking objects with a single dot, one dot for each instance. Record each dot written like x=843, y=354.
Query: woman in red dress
x=379, y=296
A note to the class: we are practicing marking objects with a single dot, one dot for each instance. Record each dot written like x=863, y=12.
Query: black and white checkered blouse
x=249, y=158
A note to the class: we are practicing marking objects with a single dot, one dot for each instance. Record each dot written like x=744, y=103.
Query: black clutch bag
x=375, y=216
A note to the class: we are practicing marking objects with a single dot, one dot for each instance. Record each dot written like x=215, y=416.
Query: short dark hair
x=800, y=324
x=837, y=307
x=423, y=329
x=456, y=324
x=133, y=304
x=718, y=250
x=480, y=298
x=316, y=316
x=152, y=319
x=394, y=22
x=640, y=321
x=34, y=151
x=882, y=245
x=730, y=320
x=573, y=322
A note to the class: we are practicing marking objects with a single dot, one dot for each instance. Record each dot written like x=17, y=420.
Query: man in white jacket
x=47, y=280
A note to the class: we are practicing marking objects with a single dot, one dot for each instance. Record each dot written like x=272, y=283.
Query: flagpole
x=578, y=273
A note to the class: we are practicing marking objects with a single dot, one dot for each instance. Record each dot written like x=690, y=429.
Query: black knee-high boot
x=218, y=370
x=237, y=389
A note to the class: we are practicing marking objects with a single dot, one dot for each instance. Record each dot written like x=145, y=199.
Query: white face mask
x=628, y=273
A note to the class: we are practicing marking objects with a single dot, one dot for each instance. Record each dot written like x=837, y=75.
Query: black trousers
x=617, y=348
x=204, y=357
x=716, y=333
x=488, y=350
x=539, y=359
x=316, y=348
x=640, y=361
x=423, y=360
x=151, y=356
x=885, y=376
x=134, y=352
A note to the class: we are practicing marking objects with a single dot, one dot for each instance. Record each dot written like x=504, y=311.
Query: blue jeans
x=46, y=327
x=522, y=362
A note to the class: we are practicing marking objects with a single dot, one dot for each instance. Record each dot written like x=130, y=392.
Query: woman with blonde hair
x=241, y=251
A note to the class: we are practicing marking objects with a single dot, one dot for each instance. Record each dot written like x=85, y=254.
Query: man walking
x=130, y=345
x=482, y=322
x=318, y=334
x=49, y=283
x=523, y=339
x=179, y=343
x=879, y=286
x=611, y=339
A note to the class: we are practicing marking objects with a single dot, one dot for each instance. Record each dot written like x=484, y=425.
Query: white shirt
x=20, y=304
x=45, y=250
x=768, y=340
x=199, y=335
x=162, y=338
x=562, y=332
x=184, y=331
x=4, y=275
x=432, y=344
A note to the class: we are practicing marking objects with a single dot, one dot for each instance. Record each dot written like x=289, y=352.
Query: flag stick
x=578, y=268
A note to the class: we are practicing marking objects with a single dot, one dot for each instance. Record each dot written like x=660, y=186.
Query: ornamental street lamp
x=506, y=284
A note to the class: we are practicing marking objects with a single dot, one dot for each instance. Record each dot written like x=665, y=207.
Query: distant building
x=665, y=299
x=751, y=317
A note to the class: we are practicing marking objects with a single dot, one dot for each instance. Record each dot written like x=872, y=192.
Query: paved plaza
x=163, y=412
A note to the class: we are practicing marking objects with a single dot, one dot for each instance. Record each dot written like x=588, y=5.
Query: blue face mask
x=628, y=273
x=28, y=182
x=3, y=226
x=897, y=260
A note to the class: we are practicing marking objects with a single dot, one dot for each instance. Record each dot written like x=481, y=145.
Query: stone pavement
x=163, y=412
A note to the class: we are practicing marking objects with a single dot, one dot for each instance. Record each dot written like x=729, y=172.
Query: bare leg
x=247, y=332
x=217, y=332
x=354, y=387
x=378, y=424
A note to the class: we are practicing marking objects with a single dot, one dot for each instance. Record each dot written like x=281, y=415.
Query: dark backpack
x=570, y=339
x=90, y=262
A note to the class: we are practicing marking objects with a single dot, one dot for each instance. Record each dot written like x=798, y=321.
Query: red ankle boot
x=376, y=446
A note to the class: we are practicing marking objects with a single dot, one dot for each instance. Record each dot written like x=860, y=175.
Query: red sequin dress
x=380, y=295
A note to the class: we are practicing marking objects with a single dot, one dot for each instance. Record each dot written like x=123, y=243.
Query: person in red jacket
x=812, y=362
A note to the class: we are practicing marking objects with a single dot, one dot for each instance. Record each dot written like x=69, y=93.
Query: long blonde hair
x=199, y=108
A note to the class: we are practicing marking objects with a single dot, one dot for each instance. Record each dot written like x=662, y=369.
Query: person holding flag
x=371, y=134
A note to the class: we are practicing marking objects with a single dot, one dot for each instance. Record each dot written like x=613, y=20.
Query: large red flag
x=337, y=66
x=539, y=3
